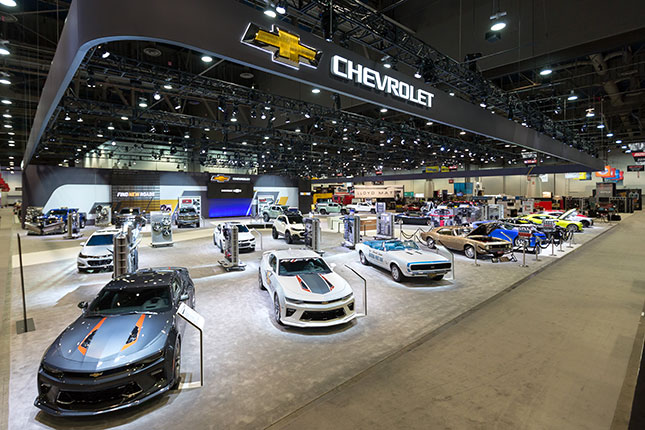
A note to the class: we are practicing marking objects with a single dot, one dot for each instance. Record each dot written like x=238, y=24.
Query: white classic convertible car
x=305, y=290
x=403, y=258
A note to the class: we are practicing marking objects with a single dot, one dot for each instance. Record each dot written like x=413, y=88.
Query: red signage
x=530, y=161
x=636, y=168
x=639, y=156
x=451, y=181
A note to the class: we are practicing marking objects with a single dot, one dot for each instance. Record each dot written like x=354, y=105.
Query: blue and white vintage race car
x=507, y=231
x=403, y=258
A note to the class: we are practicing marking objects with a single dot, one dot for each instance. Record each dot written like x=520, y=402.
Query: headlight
x=52, y=371
x=81, y=255
x=294, y=301
x=349, y=296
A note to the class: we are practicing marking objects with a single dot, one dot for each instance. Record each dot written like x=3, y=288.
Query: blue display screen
x=229, y=207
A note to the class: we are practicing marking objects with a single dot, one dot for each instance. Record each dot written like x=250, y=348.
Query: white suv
x=290, y=226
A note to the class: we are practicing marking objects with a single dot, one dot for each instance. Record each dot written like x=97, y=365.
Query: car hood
x=314, y=286
x=100, y=343
x=487, y=240
x=245, y=236
x=297, y=226
x=416, y=256
x=96, y=251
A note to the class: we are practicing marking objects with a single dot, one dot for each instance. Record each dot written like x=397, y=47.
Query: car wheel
x=288, y=238
x=177, y=364
x=82, y=223
x=323, y=212
x=469, y=251
x=572, y=227
x=430, y=242
x=276, y=310
x=437, y=277
x=396, y=273
x=585, y=224
x=274, y=233
x=363, y=259
x=373, y=211
x=266, y=217
x=260, y=283
x=343, y=212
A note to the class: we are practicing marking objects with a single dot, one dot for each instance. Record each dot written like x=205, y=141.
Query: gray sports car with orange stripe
x=305, y=290
x=123, y=350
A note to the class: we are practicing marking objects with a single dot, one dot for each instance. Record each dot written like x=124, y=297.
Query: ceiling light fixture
x=610, y=134
x=156, y=95
x=5, y=81
x=590, y=113
x=105, y=54
x=315, y=90
x=6, y=102
x=207, y=58
x=8, y=3
x=167, y=87
x=281, y=7
x=572, y=96
x=545, y=72
x=383, y=110
x=124, y=118
x=270, y=13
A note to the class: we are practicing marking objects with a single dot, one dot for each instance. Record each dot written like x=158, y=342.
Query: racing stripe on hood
x=82, y=347
x=134, y=334
x=315, y=283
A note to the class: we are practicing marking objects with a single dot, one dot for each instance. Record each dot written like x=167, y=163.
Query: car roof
x=295, y=253
x=142, y=278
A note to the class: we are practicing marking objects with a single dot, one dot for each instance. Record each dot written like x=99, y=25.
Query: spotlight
x=5, y=81
x=167, y=87
x=429, y=123
x=417, y=74
x=590, y=113
x=281, y=7
x=497, y=21
x=610, y=134
x=110, y=127
x=8, y=3
x=270, y=13
x=124, y=118
x=142, y=102
x=572, y=96
x=207, y=59
x=601, y=125
x=6, y=102
x=545, y=72
x=156, y=95
x=383, y=110
x=6, y=115
x=4, y=51
x=105, y=54
x=315, y=90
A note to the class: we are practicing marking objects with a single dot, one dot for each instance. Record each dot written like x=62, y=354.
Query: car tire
x=437, y=277
x=469, y=251
x=265, y=217
x=572, y=227
x=323, y=212
x=274, y=233
x=343, y=212
x=396, y=273
x=287, y=237
x=585, y=224
x=260, y=283
x=177, y=365
x=364, y=261
x=276, y=310
x=430, y=243
x=373, y=211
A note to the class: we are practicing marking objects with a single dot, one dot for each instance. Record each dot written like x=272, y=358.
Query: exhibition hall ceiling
x=137, y=101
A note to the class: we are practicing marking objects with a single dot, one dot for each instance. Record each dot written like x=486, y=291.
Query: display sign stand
x=27, y=324
x=161, y=230
x=197, y=321
x=364, y=314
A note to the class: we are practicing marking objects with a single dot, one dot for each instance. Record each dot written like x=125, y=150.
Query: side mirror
x=82, y=305
x=332, y=265
x=184, y=297
x=82, y=244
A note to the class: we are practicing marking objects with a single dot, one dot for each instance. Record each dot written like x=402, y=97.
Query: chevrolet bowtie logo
x=285, y=46
x=220, y=178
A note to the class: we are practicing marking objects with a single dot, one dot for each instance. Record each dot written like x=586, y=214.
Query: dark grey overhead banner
x=231, y=30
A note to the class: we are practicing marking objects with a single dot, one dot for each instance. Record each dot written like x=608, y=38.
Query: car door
x=447, y=237
x=376, y=255
x=280, y=223
x=176, y=290
x=271, y=271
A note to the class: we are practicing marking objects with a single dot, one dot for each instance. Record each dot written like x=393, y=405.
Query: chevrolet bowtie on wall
x=285, y=47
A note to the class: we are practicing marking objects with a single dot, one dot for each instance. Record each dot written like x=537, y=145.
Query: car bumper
x=319, y=315
x=426, y=272
x=246, y=246
x=85, y=396
x=94, y=263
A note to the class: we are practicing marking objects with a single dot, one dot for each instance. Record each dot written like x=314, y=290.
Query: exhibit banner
x=378, y=191
x=639, y=157
x=636, y=168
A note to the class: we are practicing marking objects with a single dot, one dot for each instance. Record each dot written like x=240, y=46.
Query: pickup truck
x=55, y=221
x=329, y=208
x=129, y=215
x=187, y=216
x=362, y=207
x=271, y=212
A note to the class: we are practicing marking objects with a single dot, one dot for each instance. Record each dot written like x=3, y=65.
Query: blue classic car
x=506, y=231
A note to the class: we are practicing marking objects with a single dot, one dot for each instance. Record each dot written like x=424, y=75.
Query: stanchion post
x=25, y=322
x=476, y=264
x=537, y=251
x=552, y=247
x=524, y=255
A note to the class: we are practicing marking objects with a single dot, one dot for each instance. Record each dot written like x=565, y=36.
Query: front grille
x=99, y=262
x=115, y=396
x=430, y=266
x=322, y=315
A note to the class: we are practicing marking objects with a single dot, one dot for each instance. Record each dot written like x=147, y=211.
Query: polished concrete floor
x=256, y=374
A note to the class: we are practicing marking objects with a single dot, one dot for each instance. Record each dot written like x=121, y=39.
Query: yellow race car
x=538, y=218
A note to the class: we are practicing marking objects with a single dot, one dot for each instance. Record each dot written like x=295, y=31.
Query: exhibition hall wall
x=15, y=188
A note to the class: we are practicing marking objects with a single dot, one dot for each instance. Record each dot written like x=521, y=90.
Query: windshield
x=147, y=299
x=241, y=228
x=58, y=212
x=187, y=210
x=100, y=240
x=300, y=266
x=294, y=219
x=399, y=245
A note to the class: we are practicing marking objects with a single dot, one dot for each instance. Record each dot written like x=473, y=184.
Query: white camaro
x=403, y=258
x=289, y=225
x=246, y=240
x=572, y=215
x=97, y=251
x=305, y=290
